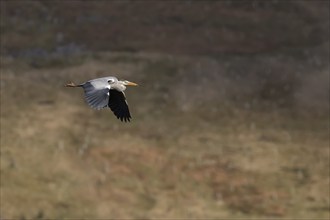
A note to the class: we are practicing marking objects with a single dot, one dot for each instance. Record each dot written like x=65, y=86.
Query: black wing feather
x=118, y=105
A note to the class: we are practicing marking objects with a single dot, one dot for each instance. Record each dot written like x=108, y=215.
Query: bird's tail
x=71, y=84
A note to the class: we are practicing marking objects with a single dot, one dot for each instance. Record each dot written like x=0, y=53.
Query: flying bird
x=107, y=92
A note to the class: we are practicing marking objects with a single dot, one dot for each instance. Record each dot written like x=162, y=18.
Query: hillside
x=230, y=119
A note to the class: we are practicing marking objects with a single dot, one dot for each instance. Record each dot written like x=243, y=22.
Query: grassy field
x=181, y=156
x=231, y=118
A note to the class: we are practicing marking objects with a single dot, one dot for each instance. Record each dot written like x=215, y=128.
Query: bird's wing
x=96, y=96
x=117, y=104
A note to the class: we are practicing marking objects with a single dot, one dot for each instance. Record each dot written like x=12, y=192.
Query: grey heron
x=107, y=92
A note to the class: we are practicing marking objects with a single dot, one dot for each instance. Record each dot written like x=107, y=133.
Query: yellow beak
x=131, y=84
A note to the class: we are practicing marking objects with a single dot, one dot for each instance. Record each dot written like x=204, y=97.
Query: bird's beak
x=131, y=84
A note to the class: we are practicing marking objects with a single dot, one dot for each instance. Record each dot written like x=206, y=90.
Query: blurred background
x=231, y=118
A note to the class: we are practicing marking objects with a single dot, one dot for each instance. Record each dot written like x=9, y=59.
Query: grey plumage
x=107, y=92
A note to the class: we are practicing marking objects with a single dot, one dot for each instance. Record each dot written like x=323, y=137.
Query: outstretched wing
x=96, y=96
x=118, y=105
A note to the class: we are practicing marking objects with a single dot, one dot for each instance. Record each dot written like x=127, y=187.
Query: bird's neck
x=119, y=87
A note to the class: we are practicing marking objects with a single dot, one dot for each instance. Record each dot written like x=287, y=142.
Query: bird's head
x=120, y=84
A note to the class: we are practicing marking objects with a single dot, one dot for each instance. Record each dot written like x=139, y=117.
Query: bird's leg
x=71, y=84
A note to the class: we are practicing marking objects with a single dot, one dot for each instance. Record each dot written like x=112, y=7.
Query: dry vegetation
x=242, y=134
x=180, y=157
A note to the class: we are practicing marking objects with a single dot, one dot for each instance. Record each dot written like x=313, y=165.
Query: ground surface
x=225, y=124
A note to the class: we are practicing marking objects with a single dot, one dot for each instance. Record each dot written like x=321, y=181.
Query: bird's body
x=107, y=92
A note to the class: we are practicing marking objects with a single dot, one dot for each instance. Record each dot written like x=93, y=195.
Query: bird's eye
x=111, y=81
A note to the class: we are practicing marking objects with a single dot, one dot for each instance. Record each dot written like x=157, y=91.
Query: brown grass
x=60, y=159
x=237, y=125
